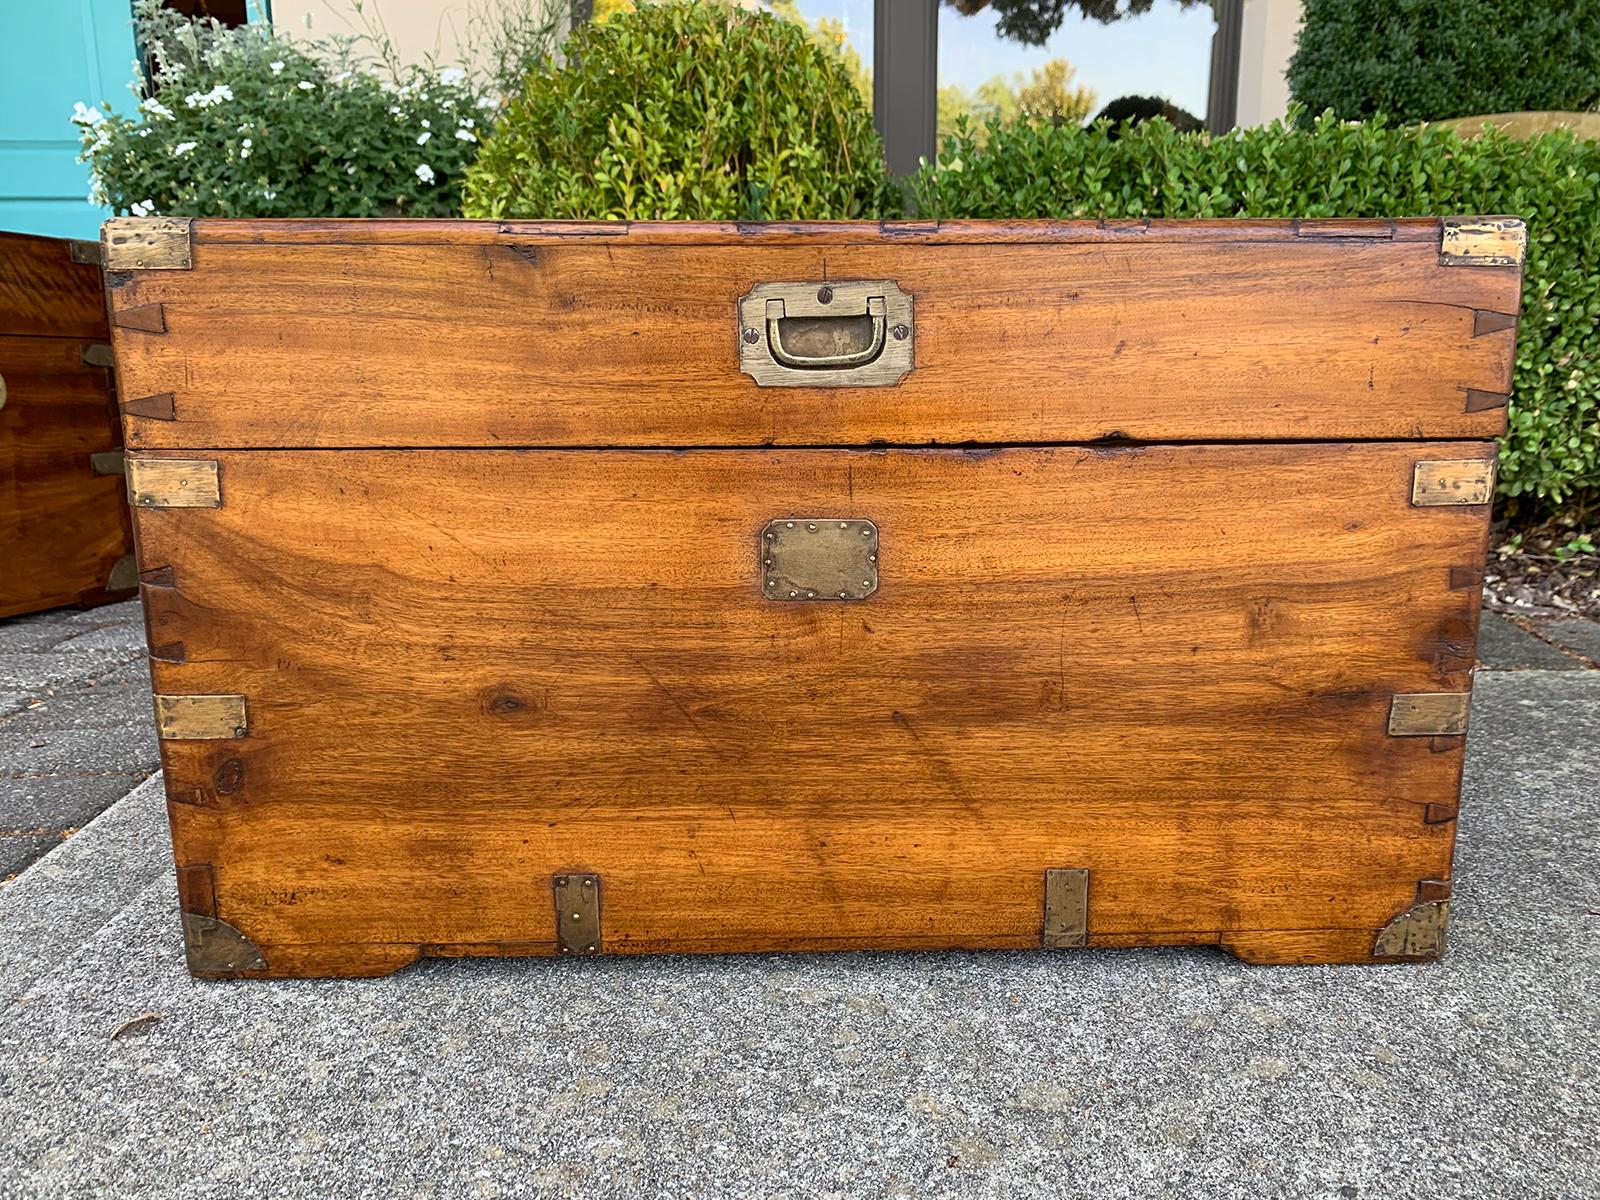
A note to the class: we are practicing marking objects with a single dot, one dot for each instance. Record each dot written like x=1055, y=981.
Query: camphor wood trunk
x=64, y=531
x=536, y=588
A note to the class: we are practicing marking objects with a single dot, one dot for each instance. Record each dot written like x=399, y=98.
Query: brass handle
x=844, y=333
x=828, y=328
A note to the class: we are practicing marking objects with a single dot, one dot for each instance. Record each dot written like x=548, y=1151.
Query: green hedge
x=685, y=111
x=1426, y=60
x=1552, y=451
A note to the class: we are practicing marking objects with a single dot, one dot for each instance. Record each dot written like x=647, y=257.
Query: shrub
x=1424, y=60
x=1552, y=450
x=685, y=111
x=249, y=124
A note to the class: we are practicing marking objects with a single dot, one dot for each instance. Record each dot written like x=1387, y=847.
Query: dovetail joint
x=147, y=244
x=1483, y=242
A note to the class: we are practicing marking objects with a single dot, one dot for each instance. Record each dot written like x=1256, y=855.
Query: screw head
x=811, y=526
x=825, y=295
x=752, y=336
x=866, y=583
x=901, y=332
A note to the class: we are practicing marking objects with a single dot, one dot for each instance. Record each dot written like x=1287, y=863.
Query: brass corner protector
x=1429, y=714
x=147, y=244
x=1437, y=482
x=124, y=576
x=200, y=718
x=1483, y=242
x=1419, y=932
x=107, y=462
x=84, y=253
x=174, y=483
x=214, y=947
x=577, y=899
x=1066, y=907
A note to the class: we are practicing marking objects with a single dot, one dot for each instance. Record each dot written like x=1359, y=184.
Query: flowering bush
x=245, y=123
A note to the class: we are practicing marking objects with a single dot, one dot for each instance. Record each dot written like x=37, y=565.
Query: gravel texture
x=1172, y=1073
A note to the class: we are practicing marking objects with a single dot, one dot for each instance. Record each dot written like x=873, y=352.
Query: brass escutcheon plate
x=819, y=558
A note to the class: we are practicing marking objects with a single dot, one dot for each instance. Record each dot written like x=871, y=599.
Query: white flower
x=487, y=102
x=269, y=195
x=427, y=124
x=350, y=169
x=83, y=115
x=277, y=68
x=183, y=148
x=394, y=110
x=468, y=123
x=452, y=75
x=246, y=144
x=425, y=173
x=466, y=135
x=423, y=140
x=142, y=210
x=206, y=99
x=155, y=108
x=304, y=86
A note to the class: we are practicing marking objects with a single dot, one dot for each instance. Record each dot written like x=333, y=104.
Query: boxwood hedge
x=1551, y=453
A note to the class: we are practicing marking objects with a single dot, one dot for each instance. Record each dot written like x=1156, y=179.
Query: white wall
x=1266, y=43
x=419, y=29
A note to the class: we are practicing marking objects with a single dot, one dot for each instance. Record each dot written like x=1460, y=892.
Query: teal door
x=53, y=54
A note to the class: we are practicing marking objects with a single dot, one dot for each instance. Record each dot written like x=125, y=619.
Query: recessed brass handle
x=838, y=330
x=848, y=333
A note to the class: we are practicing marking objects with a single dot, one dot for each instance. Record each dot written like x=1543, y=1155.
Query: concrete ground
x=1094, y=1073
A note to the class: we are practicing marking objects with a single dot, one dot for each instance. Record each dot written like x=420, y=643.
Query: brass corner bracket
x=1429, y=714
x=208, y=718
x=1066, y=907
x=147, y=244
x=214, y=947
x=174, y=483
x=1419, y=932
x=1443, y=481
x=577, y=898
x=1483, y=242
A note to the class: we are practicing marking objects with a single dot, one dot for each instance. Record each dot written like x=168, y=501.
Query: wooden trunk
x=64, y=529
x=537, y=588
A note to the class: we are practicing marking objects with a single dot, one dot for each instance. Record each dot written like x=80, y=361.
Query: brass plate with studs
x=1066, y=907
x=1429, y=714
x=819, y=558
x=1452, y=481
x=577, y=899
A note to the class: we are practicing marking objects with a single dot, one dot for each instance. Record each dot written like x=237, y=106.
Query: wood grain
x=62, y=526
x=43, y=293
x=467, y=671
x=392, y=334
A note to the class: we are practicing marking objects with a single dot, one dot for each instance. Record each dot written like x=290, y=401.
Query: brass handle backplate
x=857, y=333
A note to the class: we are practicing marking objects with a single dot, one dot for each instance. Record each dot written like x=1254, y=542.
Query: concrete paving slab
x=1504, y=645
x=123, y=747
x=1096, y=1073
x=61, y=802
x=1578, y=634
x=20, y=847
